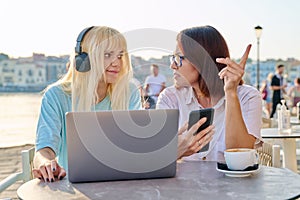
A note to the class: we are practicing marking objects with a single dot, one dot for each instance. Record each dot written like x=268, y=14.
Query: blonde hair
x=83, y=86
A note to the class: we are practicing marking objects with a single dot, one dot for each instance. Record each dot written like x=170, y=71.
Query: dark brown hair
x=201, y=46
x=279, y=66
x=154, y=65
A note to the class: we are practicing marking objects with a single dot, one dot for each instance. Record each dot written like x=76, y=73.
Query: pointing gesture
x=245, y=56
x=233, y=72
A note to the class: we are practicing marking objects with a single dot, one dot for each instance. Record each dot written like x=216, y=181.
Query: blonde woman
x=98, y=79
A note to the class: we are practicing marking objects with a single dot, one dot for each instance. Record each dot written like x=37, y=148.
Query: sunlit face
x=187, y=74
x=280, y=70
x=113, y=64
x=296, y=82
x=154, y=70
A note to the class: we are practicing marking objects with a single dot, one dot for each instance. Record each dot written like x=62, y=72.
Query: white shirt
x=155, y=84
x=184, y=100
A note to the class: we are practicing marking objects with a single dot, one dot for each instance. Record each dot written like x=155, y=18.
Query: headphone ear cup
x=82, y=62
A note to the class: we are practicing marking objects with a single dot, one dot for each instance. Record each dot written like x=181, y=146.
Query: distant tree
x=3, y=56
x=279, y=60
x=249, y=60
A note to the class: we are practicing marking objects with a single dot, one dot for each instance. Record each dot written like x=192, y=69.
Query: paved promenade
x=10, y=162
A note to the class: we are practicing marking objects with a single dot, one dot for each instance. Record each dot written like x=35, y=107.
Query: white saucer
x=238, y=173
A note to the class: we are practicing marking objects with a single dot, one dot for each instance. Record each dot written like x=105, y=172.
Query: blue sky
x=51, y=27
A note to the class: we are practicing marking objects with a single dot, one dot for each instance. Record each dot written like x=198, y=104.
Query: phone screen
x=196, y=115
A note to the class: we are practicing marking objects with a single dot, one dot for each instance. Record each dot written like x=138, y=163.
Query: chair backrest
x=27, y=163
x=269, y=155
x=266, y=123
x=269, y=123
x=25, y=174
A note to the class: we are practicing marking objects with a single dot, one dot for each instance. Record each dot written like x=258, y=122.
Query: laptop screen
x=121, y=145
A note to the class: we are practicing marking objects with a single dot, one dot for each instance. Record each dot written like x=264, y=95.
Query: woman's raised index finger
x=245, y=56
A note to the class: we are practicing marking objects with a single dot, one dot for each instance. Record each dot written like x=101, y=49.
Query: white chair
x=269, y=123
x=266, y=122
x=269, y=155
x=26, y=173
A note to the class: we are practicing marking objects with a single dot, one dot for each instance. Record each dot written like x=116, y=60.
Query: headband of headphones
x=80, y=37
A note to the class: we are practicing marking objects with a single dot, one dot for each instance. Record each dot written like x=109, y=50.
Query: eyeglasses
x=177, y=59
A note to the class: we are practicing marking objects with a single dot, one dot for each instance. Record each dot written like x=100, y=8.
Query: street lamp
x=258, y=30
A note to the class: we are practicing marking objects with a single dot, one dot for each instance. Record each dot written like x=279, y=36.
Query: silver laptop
x=121, y=145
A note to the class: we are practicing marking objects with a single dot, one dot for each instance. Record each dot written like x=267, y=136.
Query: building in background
x=34, y=73
x=292, y=70
x=30, y=74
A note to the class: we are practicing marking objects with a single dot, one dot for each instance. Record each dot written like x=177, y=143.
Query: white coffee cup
x=240, y=158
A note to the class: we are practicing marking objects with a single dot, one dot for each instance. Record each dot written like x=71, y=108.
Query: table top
x=294, y=121
x=193, y=180
x=275, y=133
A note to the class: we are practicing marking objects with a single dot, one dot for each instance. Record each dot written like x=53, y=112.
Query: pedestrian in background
x=294, y=92
x=278, y=88
x=154, y=85
x=267, y=93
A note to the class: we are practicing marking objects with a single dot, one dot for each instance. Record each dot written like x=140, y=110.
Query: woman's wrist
x=231, y=93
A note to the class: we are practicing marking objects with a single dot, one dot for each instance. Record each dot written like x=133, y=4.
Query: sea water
x=18, y=118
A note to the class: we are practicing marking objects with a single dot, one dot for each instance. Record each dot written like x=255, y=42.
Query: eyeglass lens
x=176, y=59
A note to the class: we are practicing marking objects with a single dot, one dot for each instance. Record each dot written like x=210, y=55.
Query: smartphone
x=196, y=115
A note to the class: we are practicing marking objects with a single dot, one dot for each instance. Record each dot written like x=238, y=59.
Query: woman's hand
x=233, y=72
x=188, y=143
x=46, y=166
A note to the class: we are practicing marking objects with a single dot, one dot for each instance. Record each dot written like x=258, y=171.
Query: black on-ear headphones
x=82, y=61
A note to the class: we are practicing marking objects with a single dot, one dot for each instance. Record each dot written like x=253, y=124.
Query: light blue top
x=51, y=128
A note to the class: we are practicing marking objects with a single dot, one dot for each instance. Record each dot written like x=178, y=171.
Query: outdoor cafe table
x=194, y=180
x=289, y=145
x=294, y=121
